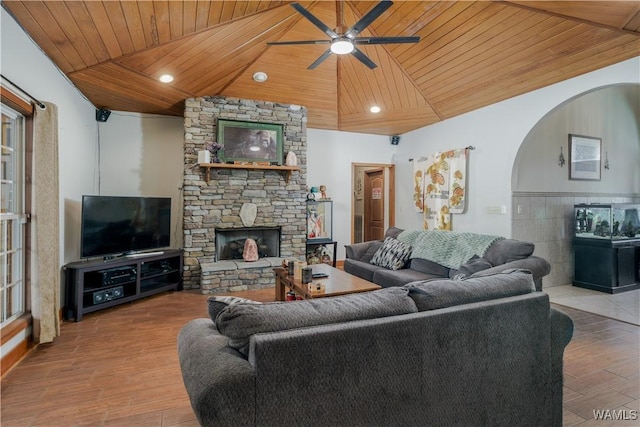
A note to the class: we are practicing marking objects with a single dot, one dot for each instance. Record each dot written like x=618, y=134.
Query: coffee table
x=336, y=283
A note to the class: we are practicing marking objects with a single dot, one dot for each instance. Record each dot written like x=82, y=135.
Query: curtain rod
x=37, y=102
x=470, y=147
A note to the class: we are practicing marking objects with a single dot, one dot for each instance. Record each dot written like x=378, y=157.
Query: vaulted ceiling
x=471, y=54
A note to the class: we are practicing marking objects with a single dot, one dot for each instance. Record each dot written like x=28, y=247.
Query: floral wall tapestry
x=444, y=182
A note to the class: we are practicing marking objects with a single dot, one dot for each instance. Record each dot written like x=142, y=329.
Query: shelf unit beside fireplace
x=208, y=166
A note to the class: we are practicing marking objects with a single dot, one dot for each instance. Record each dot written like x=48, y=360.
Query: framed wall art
x=585, y=153
x=250, y=142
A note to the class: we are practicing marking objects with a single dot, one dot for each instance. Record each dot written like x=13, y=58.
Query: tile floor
x=624, y=306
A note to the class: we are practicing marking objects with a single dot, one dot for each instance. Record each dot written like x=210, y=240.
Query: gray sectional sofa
x=475, y=352
x=501, y=254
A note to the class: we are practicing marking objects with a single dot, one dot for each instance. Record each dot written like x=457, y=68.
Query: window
x=12, y=217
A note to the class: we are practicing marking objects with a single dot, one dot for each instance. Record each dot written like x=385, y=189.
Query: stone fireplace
x=214, y=206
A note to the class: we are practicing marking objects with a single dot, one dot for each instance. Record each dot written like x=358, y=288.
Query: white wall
x=329, y=158
x=142, y=155
x=25, y=65
x=497, y=132
x=611, y=113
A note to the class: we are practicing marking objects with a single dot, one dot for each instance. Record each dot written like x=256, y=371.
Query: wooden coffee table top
x=336, y=283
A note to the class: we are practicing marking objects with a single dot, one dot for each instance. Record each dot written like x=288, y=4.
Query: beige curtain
x=45, y=287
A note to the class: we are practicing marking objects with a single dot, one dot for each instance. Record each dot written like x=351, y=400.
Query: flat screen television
x=119, y=225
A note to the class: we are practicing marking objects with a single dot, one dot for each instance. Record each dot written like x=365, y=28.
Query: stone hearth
x=217, y=203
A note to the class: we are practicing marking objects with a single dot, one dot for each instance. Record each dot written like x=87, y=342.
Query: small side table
x=314, y=244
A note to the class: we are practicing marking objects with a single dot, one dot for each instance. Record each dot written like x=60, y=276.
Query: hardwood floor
x=602, y=371
x=119, y=367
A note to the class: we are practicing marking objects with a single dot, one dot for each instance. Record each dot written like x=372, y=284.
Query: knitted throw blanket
x=448, y=248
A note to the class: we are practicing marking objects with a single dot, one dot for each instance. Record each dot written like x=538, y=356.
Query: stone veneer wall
x=217, y=203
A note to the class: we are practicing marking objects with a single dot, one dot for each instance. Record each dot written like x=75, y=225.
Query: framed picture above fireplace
x=250, y=142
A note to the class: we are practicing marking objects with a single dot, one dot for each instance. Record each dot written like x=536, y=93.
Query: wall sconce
x=606, y=160
x=561, y=160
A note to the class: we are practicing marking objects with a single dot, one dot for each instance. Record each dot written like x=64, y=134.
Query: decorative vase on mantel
x=214, y=148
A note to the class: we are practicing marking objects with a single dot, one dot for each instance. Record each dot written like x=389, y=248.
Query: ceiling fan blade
x=320, y=60
x=315, y=21
x=386, y=40
x=363, y=58
x=300, y=42
x=368, y=18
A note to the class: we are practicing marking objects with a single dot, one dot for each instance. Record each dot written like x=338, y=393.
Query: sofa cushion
x=240, y=321
x=363, y=251
x=425, y=266
x=507, y=250
x=474, y=265
x=435, y=294
x=387, y=278
x=218, y=303
x=362, y=269
x=393, y=232
x=370, y=252
x=392, y=255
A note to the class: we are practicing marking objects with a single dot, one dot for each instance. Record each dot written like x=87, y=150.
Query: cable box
x=117, y=275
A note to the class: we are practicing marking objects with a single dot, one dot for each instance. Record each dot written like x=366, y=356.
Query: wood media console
x=94, y=285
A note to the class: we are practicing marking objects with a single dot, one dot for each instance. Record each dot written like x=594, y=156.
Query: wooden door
x=374, y=204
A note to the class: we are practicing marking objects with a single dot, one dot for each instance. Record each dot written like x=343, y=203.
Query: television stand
x=143, y=254
x=94, y=285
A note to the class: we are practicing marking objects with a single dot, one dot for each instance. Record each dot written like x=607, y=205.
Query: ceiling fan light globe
x=342, y=46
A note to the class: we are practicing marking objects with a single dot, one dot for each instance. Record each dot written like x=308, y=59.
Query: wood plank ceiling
x=471, y=54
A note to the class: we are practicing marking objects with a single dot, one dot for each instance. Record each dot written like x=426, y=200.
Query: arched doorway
x=543, y=202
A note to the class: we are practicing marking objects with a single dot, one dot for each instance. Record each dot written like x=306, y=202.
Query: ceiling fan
x=344, y=42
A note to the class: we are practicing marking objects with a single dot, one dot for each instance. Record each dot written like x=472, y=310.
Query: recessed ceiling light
x=375, y=109
x=260, y=76
x=166, y=78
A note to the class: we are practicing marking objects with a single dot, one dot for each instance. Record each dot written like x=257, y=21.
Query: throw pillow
x=392, y=255
x=217, y=304
x=239, y=322
x=474, y=265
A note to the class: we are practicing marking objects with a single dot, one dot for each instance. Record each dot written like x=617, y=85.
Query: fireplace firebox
x=229, y=242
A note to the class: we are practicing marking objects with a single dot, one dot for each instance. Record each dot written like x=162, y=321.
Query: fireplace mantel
x=209, y=166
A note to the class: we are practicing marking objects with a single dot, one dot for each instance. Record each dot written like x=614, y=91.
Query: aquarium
x=616, y=221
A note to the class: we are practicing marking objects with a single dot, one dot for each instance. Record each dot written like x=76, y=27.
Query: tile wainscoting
x=546, y=219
